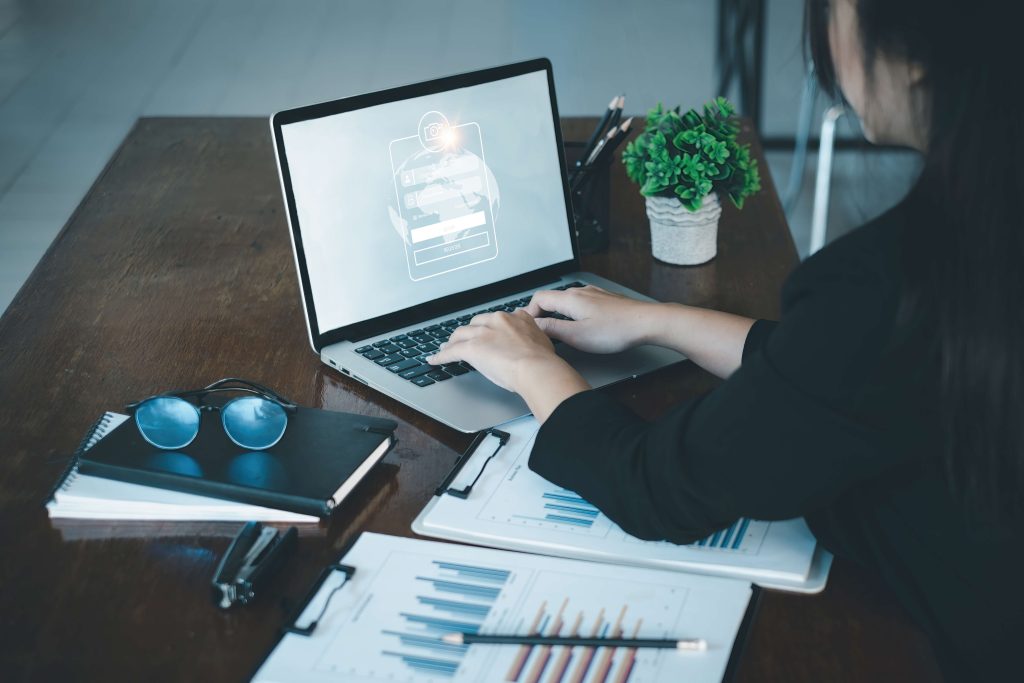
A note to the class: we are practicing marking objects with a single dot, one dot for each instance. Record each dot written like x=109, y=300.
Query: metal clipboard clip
x=293, y=620
x=463, y=493
x=253, y=556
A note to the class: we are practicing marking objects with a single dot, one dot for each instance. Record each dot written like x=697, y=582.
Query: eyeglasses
x=170, y=422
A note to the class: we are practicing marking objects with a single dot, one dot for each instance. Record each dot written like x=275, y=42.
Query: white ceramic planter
x=680, y=236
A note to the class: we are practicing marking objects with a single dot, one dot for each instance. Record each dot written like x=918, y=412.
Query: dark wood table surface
x=176, y=270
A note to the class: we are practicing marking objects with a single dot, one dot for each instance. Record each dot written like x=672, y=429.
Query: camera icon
x=433, y=131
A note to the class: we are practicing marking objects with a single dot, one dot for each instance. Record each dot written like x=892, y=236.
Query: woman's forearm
x=546, y=382
x=711, y=339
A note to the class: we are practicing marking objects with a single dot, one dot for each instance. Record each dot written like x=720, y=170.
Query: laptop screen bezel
x=447, y=304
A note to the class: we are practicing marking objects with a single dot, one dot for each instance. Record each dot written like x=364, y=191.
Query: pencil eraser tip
x=696, y=645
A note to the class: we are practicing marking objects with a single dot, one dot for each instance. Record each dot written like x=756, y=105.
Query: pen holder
x=590, y=202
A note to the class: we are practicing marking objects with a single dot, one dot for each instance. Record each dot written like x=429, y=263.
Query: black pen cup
x=590, y=194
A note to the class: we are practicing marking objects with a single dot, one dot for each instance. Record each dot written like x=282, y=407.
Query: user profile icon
x=435, y=132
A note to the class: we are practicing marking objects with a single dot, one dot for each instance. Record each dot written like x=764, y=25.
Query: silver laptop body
x=415, y=208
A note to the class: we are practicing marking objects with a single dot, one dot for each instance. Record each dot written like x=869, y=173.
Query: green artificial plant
x=690, y=155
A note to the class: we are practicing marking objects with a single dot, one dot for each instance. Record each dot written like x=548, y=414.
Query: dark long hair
x=964, y=261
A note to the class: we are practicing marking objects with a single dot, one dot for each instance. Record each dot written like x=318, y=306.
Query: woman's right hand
x=602, y=322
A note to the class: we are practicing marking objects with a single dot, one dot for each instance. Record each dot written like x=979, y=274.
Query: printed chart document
x=512, y=507
x=385, y=623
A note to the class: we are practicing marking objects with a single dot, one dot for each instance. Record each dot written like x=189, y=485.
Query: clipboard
x=459, y=483
x=705, y=594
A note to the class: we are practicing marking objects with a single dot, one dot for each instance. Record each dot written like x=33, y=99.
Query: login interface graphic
x=446, y=197
x=409, y=201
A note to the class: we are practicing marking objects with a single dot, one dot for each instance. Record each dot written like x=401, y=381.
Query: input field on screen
x=434, y=194
x=450, y=168
x=441, y=228
x=448, y=249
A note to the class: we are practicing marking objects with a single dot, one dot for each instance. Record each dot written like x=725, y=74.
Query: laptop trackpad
x=602, y=369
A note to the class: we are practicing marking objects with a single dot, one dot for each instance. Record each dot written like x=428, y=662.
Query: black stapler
x=254, y=555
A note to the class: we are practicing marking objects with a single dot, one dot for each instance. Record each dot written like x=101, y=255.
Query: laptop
x=413, y=209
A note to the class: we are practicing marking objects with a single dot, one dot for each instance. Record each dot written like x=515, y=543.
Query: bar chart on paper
x=513, y=507
x=742, y=537
x=456, y=598
x=559, y=509
x=526, y=500
x=554, y=509
x=447, y=597
x=553, y=617
x=407, y=594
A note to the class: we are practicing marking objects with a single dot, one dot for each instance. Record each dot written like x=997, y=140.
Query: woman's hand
x=511, y=351
x=498, y=345
x=602, y=322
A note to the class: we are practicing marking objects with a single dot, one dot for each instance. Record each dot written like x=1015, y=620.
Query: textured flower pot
x=680, y=236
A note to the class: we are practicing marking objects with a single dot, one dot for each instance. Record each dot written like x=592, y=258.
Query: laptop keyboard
x=406, y=354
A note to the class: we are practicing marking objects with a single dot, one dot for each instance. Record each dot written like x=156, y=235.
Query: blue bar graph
x=427, y=665
x=726, y=539
x=441, y=625
x=568, y=508
x=463, y=588
x=428, y=642
x=499, y=575
x=455, y=607
x=744, y=523
x=458, y=599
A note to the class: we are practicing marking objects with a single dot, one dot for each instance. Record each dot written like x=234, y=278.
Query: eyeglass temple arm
x=265, y=393
x=251, y=387
x=239, y=380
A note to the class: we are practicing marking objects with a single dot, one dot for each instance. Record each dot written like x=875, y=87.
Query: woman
x=885, y=406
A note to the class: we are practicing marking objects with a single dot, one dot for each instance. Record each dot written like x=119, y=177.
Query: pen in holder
x=590, y=200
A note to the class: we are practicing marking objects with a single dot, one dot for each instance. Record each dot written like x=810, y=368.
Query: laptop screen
x=410, y=201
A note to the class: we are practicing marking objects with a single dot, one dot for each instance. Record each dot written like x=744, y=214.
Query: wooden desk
x=176, y=270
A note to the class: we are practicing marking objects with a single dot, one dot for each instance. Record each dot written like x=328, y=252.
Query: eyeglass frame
x=217, y=387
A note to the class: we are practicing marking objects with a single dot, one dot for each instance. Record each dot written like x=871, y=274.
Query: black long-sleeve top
x=831, y=416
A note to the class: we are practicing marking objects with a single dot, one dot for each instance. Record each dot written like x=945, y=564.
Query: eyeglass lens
x=254, y=422
x=167, y=422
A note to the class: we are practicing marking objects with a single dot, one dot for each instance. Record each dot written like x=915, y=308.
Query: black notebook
x=319, y=460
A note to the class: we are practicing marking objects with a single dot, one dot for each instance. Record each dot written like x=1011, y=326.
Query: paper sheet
x=512, y=507
x=386, y=622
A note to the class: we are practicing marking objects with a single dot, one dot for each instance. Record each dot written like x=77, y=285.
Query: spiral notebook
x=82, y=495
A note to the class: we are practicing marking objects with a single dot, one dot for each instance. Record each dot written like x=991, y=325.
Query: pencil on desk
x=603, y=151
x=600, y=145
x=621, y=132
x=598, y=131
x=617, y=113
x=684, y=644
x=609, y=120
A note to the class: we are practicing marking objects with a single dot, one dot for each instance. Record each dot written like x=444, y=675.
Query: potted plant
x=683, y=164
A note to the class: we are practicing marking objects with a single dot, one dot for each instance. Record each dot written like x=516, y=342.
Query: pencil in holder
x=590, y=201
